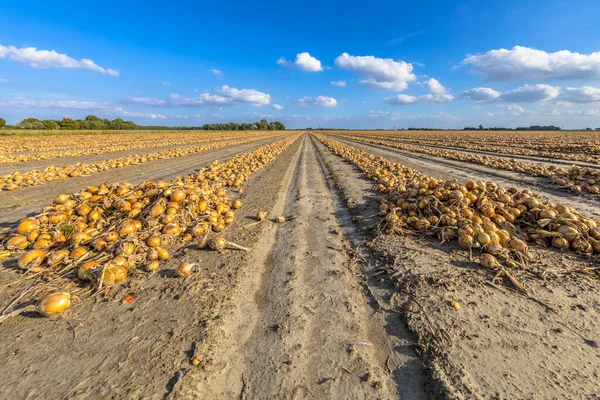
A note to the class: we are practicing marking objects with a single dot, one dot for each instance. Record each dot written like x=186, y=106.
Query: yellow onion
x=32, y=259
x=184, y=269
x=54, y=304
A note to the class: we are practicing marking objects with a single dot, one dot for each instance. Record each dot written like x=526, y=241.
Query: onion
x=32, y=259
x=185, y=269
x=54, y=304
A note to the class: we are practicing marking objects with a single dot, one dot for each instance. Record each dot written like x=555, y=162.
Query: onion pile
x=576, y=179
x=17, y=180
x=81, y=145
x=478, y=215
x=572, y=146
x=101, y=234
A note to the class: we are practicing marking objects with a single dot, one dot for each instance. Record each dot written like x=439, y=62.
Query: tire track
x=301, y=326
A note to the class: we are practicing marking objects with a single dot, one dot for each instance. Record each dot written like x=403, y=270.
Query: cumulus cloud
x=103, y=108
x=584, y=94
x=480, y=94
x=527, y=63
x=338, y=83
x=403, y=99
x=250, y=96
x=319, y=101
x=381, y=73
x=304, y=61
x=225, y=96
x=217, y=73
x=435, y=87
x=524, y=94
x=42, y=59
x=531, y=94
x=278, y=107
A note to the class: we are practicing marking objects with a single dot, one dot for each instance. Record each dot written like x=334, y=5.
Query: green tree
x=2, y=122
x=264, y=124
x=49, y=124
x=68, y=124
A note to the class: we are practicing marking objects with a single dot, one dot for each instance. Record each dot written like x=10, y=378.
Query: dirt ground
x=323, y=306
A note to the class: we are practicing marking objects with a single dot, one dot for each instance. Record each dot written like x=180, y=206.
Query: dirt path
x=450, y=169
x=19, y=204
x=301, y=326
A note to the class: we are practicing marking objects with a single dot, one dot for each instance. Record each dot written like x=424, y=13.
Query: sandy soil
x=105, y=349
x=499, y=344
x=322, y=306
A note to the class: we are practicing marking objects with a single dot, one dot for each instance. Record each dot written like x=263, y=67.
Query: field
x=291, y=264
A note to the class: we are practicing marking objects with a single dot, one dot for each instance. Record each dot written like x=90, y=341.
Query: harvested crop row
x=479, y=215
x=103, y=234
x=78, y=149
x=548, y=142
x=576, y=179
x=16, y=180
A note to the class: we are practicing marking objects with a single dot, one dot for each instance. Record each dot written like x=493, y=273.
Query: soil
x=322, y=306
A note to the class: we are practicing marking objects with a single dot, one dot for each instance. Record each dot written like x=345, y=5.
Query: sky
x=338, y=64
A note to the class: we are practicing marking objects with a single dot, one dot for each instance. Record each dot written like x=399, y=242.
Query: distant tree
x=264, y=124
x=49, y=124
x=480, y=127
x=68, y=124
x=2, y=122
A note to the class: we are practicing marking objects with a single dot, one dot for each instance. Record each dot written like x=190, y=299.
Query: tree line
x=91, y=122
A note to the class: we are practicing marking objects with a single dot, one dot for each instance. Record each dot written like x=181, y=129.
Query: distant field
x=232, y=264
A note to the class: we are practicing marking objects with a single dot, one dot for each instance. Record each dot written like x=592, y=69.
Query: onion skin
x=54, y=304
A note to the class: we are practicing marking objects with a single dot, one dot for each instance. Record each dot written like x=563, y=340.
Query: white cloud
x=527, y=63
x=225, y=96
x=147, y=101
x=278, y=107
x=319, y=101
x=166, y=83
x=4, y=80
x=524, y=94
x=435, y=86
x=104, y=108
x=119, y=111
x=304, y=61
x=42, y=59
x=510, y=110
x=403, y=99
x=250, y=96
x=531, y=94
x=381, y=73
x=217, y=73
x=584, y=94
x=480, y=94
x=338, y=83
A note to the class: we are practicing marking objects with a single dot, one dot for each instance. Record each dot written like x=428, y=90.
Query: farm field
x=300, y=264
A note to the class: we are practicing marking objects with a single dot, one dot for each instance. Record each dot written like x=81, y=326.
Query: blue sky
x=343, y=64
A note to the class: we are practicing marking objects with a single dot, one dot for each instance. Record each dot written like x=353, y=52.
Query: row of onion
x=478, y=215
x=16, y=180
x=576, y=179
x=102, y=235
